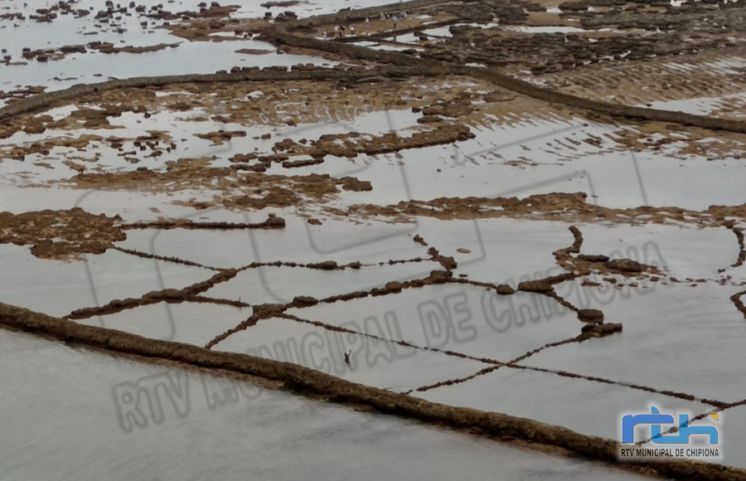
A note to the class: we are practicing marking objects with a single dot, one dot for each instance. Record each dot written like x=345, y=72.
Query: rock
x=289, y=164
x=429, y=119
x=418, y=239
x=265, y=311
x=274, y=222
x=504, y=290
x=600, y=330
x=592, y=258
x=439, y=277
x=303, y=301
x=324, y=266
x=624, y=265
x=591, y=316
x=448, y=262
x=394, y=286
x=535, y=286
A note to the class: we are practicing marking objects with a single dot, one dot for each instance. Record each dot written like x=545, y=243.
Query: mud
x=231, y=188
x=205, y=25
x=171, y=259
x=741, y=242
x=600, y=330
x=45, y=147
x=591, y=316
x=738, y=302
x=280, y=33
x=566, y=207
x=47, y=100
x=46, y=55
x=327, y=266
x=500, y=289
x=221, y=136
x=353, y=144
x=272, y=222
x=67, y=234
x=21, y=93
x=61, y=234
x=546, y=285
x=154, y=297
x=643, y=82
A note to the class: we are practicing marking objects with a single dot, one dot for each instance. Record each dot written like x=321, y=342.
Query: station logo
x=655, y=434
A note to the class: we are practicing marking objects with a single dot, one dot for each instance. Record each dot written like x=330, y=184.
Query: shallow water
x=201, y=425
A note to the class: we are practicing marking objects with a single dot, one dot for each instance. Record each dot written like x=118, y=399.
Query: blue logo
x=658, y=434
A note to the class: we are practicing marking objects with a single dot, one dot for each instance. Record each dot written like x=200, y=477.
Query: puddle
x=588, y=407
x=373, y=362
x=189, y=405
x=463, y=318
x=676, y=337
